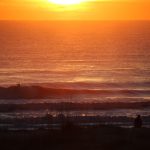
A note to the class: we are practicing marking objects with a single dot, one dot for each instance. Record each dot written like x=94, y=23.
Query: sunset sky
x=86, y=10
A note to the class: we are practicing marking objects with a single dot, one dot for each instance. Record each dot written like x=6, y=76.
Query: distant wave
x=39, y=92
x=101, y=85
x=69, y=106
x=94, y=85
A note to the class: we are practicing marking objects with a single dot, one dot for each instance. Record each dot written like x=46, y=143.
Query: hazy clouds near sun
x=92, y=9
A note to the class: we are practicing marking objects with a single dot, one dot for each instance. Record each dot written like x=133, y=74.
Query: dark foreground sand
x=76, y=138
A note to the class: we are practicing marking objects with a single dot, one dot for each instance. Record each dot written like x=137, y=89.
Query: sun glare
x=65, y=2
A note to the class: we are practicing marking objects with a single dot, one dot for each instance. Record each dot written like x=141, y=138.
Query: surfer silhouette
x=138, y=122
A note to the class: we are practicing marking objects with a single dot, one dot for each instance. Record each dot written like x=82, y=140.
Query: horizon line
x=74, y=20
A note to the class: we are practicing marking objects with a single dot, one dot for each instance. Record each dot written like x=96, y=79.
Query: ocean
x=112, y=57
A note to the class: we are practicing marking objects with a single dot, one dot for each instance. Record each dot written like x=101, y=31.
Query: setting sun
x=66, y=2
x=74, y=10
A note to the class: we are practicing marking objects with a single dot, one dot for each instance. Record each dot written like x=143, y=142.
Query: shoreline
x=50, y=122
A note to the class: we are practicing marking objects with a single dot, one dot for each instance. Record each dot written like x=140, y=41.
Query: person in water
x=138, y=122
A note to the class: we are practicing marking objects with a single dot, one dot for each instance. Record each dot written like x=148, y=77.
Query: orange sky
x=90, y=10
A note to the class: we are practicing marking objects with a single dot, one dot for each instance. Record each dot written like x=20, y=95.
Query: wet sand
x=76, y=138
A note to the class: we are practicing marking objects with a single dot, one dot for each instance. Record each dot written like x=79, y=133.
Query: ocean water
x=93, y=55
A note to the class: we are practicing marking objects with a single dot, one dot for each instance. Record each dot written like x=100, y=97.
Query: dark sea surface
x=91, y=55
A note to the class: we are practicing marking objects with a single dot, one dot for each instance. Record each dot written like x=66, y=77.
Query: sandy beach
x=73, y=138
